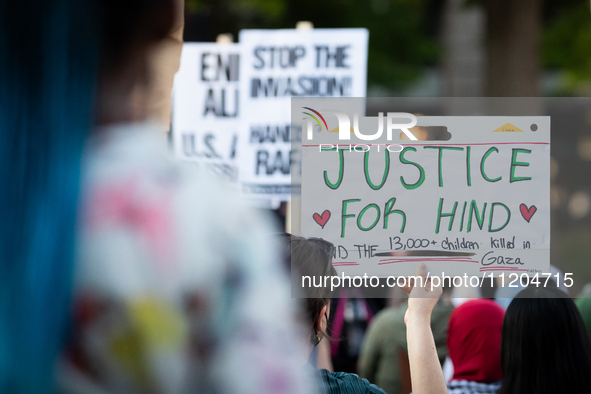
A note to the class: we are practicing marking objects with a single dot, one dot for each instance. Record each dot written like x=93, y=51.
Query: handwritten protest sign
x=474, y=204
x=206, y=107
x=277, y=65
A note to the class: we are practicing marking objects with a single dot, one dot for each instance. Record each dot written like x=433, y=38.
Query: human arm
x=425, y=370
x=404, y=370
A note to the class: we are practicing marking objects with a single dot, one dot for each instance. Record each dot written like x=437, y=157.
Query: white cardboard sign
x=206, y=107
x=275, y=66
x=476, y=204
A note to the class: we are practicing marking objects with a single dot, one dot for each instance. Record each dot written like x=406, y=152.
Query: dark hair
x=545, y=347
x=50, y=55
x=310, y=257
x=129, y=23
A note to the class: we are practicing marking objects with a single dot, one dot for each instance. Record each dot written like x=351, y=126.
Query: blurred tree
x=524, y=36
x=566, y=44
x=512, y=52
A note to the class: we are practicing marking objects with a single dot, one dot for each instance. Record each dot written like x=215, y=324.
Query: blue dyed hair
x=49, y=57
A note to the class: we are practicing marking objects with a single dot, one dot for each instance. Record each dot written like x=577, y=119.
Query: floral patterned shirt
x=178, y=285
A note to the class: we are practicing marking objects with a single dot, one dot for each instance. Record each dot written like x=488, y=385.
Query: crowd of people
x=539, y=344
x=122, y=271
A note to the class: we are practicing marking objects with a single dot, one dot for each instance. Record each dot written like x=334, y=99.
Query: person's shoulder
x=441, y=314
x=389, y=315
x=383, y=323
x=469, y=387
x=163, y=212
x=347, y=383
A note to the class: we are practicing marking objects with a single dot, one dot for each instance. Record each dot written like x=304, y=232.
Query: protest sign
x=477, y=203
x=206, y=107
x=275, y=66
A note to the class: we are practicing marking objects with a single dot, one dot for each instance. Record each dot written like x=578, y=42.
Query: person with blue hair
x=137, y=274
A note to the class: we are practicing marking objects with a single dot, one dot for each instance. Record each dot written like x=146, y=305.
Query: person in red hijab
x=474, y=346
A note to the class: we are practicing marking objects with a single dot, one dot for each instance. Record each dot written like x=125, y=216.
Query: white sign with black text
x=275, y=66
x=206, y=107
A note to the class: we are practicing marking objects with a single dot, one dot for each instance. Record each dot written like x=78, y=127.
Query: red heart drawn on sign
x=321, y=220
x=526, y=212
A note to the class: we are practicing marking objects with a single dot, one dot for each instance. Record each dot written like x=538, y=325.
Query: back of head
x=50, y=55
x=311, y=259
x=545, y=348
x=474, y=341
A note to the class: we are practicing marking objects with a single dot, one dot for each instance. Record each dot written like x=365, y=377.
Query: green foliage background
x=566, y=44
x=403, y=33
